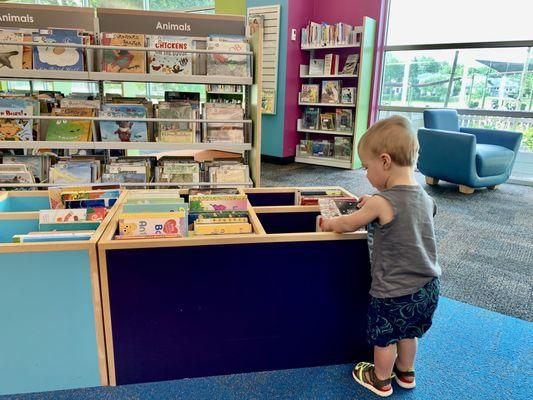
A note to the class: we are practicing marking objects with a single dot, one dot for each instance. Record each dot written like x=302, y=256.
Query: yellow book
x=222, y=229
x=229, y=220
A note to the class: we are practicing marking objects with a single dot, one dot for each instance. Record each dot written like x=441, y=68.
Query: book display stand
x=202, y=306
x=323, y=142
x=195, y=26
x=52, y=328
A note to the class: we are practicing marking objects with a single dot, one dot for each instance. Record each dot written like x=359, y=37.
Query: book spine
x=222, y=229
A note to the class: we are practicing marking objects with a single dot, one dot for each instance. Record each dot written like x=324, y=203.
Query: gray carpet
x=485, y=240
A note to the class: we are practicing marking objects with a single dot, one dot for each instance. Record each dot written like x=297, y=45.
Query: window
x=453, y=65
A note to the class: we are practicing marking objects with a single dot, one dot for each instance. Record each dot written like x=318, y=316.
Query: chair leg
x=493, y=187
x=466, y=189
x=431, y=181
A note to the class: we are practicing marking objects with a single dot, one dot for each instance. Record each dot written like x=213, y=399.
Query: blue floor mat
x=469, y=353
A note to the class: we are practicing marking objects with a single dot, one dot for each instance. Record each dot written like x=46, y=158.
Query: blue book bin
x=52, y=332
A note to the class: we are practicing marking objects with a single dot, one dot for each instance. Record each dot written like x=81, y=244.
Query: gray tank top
x=403, y=252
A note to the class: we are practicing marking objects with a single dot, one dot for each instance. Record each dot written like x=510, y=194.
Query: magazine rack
x=142, y=22
x=52, y=331
x=282, y=297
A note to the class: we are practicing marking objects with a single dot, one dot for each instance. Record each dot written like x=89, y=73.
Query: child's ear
x=386, y=160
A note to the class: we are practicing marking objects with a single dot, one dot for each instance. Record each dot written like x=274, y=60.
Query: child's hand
x=325, y=224
x=362, y=200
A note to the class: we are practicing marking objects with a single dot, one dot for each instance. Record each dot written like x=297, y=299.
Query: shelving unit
x=361, y=80
x=132, y=21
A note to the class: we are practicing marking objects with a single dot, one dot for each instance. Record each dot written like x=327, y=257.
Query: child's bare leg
x=384, y=358
x=406, y=355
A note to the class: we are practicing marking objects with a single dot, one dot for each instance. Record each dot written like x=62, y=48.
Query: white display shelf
x=335, y=133
x=133, y=119
x=170, y=78
x=129, y=184
x=340, y=105
x=31, y=74
x=338, y=46
x=324, y=161
x=231, y=147
x=222, y=92
x=328, y=76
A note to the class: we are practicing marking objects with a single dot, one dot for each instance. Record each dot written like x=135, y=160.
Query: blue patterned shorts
x=405, y=317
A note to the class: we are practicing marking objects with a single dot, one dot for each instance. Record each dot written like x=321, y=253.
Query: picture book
x=305, y=148
x=69, y=226
x=343, y=148
x=13, y=168
x=179, y=172
x=152, y=223
x=348, y=95
x=176, y=132
x=331, y=64
x=69, y=102
x=234, y=173
x=54, y=193
x=52, y=237
x=73, y=215
x=331, y=91
x=220, y=64
x=136, y=237
x=311, y=118
x=90, y=194
x=268, y=100
x=164, y=62
x=93, y=203
x=322, y=148
x=16, y=129
x=58, y=58
x=350, y=65
x=222, y=229
x=70, y=131
x=316, y=66
x=156, y=208
x=327, y=122
x=37, y=165
x=124, y=61
x=11, y=55
x=227, y=131
x=71, y=173
x=203, y=221
x=344, y=120
x=123, y=130
x=211, y=203
x=194, y=216
x=15, y=177
x=309, y=93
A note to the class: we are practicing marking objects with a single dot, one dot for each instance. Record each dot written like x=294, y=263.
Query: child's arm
x=373, y=208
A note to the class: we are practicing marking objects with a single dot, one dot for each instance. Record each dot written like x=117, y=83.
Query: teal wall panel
x=48, y=335
x=17, y=204
x=272, y=125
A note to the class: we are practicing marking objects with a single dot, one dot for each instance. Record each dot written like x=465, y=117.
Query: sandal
x=399, y=377
x=371, y=382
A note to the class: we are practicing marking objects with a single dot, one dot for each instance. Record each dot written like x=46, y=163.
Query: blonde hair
x=394, y=136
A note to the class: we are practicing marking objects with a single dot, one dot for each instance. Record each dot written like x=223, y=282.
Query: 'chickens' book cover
x=167, y=62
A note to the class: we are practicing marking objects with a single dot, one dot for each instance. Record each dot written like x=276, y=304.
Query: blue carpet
x=470, y=353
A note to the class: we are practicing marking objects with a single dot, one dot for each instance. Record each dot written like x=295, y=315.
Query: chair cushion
x=444, y=120
x=492, y=160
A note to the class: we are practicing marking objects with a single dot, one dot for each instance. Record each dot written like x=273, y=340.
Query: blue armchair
x=470, y=157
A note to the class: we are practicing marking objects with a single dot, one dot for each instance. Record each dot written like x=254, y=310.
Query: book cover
x=316, y=66
x=309, y=93
x=58, y=58
x=348, y=95
x=11, y=55
x=16, y=129
x=222, y=229
x=350, y=65
x=161, y=62
x=152, y=223
x=155, y=208
x=124, y=61
x=227, y=131
x=67, y=130
x=123, y=130
x=37, y=165
x=176, y=132
x=343, y=148
x=71, y=173
x=69, y=226
x=331, y=91
x=179, y=173
x=15, y=177
x=230, y=220
x=55, y=237
x=322, y=148
x=90, y=194
x=311, y=118
x=94, y=203
x=219, y=64
x=305, y=148
x=217, y=203
x=344, y=120
x=327, y=121
x=64, y=216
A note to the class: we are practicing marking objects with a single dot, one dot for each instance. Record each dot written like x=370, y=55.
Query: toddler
x=401, y=240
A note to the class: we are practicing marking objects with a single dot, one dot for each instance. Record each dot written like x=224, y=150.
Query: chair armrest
x=447, y=155
x=508, y=139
